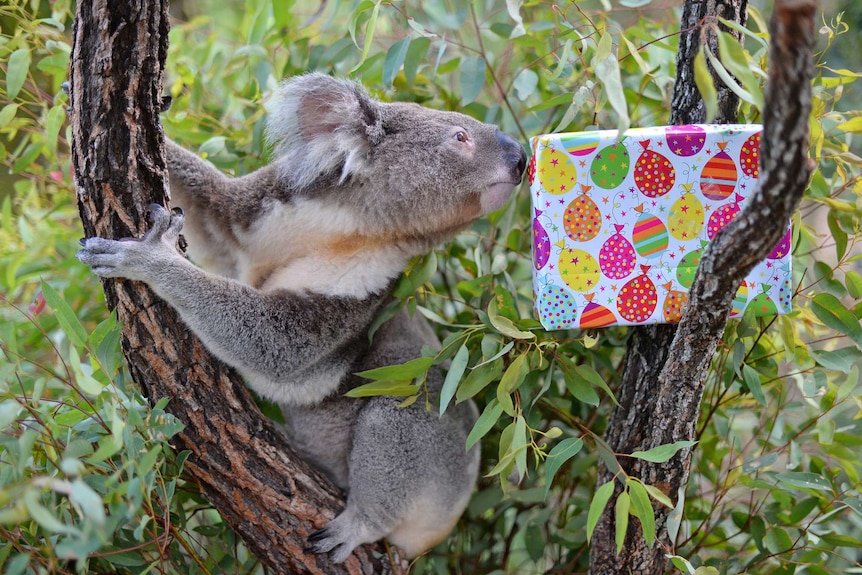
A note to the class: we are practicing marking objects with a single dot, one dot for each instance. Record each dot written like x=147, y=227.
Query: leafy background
x=88, y=482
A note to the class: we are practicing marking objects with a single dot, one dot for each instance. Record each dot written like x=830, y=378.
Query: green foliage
x=775, y=483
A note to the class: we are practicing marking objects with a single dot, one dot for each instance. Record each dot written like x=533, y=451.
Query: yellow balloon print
x=557, y=171
x=685, y=219
x=579, y=269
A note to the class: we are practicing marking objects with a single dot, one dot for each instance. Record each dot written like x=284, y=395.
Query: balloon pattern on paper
x=685, y=140
x=674, y=303
x=582, y=220
x=685, y=219
x=596, y=315
x=637, y=299
x=723, y=216
x=557, y=308
x=579, y=269
x=617, y=257
x=611, y=166
x=719, y=176
x=556, y=171
x=654, y=173
x=649, y=234
x=749, y=156
x=541, y=243
x=621, y=225
x=740, y=300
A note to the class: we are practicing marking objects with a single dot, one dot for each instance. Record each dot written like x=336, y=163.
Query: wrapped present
x=619, y=226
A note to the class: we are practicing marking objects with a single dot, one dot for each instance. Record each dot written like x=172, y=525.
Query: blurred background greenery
x=88, y=482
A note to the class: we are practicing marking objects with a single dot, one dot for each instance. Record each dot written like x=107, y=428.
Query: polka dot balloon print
x=557, y=307
x=654, y=173
x=620, y=225
x=749, y=156
x=637, y=299
x=674, y=303
x=617, y=256
x=722, y=216
x=582, y=220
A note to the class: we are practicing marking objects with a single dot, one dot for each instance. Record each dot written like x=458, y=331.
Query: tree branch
x=244, y=466
x=672, y=403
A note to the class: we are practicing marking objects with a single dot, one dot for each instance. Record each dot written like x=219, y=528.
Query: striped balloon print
x=740, y=300
x=596, y=315
x=581, y=145
x=649, y=235
x=719, y=176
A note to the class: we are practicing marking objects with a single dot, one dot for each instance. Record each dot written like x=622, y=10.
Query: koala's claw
x=337, y=539
x=164, y=225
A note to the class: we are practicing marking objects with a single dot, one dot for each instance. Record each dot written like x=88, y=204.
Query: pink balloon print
x=617, y=256
x=722, y=216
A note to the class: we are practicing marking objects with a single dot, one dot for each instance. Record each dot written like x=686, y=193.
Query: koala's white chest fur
x=312, y=246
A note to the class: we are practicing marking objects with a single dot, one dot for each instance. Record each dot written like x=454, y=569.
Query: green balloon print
x=611, y=166
x=762, y=304
x=688, y=266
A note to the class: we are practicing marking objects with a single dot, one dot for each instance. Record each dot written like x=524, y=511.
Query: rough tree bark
x=665, y=368
x=243, y=465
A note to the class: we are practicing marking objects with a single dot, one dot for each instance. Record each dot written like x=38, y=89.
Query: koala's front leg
x=274, y=339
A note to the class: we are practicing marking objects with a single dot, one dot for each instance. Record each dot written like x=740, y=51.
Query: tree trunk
x=665, y=368
x=243, y=465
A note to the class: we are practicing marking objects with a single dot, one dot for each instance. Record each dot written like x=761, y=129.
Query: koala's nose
x=513, y=152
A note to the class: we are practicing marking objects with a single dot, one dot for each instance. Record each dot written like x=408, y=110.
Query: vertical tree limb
x=687, y=106
x=243, y=464
x=665, y=409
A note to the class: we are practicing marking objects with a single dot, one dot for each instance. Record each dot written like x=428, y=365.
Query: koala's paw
x=332, y=539
x=137, y=259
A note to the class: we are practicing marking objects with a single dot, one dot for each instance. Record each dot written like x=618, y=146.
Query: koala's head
x=405, y=169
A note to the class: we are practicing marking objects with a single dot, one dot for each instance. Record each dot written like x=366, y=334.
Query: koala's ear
x=320, y=126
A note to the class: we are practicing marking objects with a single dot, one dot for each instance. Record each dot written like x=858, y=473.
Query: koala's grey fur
x=297, y=259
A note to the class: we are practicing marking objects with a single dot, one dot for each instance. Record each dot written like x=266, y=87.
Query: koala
x=295, y=260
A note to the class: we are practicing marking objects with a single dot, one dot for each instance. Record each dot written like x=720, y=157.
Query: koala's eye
x=461, y=136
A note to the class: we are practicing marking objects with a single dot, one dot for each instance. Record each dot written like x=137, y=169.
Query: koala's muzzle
x=513, y=154
x=508, y=167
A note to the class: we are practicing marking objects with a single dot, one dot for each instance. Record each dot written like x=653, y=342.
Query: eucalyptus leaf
x=663, y=453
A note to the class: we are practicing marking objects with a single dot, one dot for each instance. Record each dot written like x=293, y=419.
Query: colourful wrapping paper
x=619, y=226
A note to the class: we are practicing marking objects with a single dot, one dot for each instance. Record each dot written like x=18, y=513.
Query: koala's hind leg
x=410, y=478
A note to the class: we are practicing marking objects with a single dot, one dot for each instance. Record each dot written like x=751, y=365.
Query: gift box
x=620, y=224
